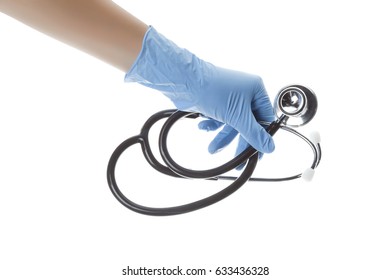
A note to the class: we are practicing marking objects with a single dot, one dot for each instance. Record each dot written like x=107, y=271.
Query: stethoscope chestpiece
x=298, y=103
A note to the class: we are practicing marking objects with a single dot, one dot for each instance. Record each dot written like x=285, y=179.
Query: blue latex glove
x=225, y=137
x=233, y=98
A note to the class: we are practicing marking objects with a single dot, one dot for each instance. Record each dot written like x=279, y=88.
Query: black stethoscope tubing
x=173, y=169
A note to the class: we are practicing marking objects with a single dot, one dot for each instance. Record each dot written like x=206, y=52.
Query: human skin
x=100, y=28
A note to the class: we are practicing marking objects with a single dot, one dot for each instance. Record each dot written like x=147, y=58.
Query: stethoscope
x=294, y=106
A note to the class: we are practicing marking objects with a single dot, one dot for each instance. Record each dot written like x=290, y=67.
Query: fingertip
x=212, y=148
x=222, y=139
x=203, y=125
x=209, y=125
x=269, y=145
x=261, y=140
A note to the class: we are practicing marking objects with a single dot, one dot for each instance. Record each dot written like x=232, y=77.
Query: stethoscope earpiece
x=308, y=174
x=315, y=137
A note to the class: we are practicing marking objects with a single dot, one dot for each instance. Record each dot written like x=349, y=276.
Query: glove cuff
x=164, y=66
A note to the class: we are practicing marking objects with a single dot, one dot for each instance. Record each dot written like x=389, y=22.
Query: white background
x=62, y=113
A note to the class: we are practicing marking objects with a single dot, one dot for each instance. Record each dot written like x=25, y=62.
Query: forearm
x=98, y=27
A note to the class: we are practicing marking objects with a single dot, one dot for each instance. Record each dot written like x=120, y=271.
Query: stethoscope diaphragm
x=298, y=103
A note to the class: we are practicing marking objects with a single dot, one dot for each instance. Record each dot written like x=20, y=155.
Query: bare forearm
x=98, y=27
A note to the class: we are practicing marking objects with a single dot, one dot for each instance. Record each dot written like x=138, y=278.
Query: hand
x=234, y=98
x=225, y=137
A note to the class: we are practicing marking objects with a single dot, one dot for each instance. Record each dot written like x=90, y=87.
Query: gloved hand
x=225, y=137
x=228, y=97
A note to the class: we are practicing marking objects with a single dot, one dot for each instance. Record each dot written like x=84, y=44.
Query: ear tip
x=315, y=137
x=308, y=174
